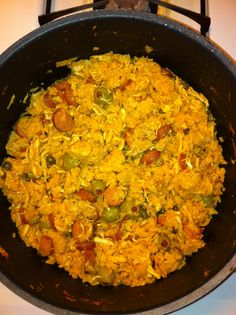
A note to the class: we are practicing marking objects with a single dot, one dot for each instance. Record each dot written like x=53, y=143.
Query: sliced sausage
x=86, y=195
x=48, y=101
x=28, y=126
x=80, y=228
x=86, y=245
x=62, y=120
x=89, y=256
x=65, y=92
x=114, y=196
x=46, y=245
x=77, y=229
x=21, y=127
x=150, y=156
x=191, y=232
x=163, y=131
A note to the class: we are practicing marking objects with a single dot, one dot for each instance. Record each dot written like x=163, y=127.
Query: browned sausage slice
x=62, y=120
x=48, y=101
x=150, y=156
x=80, y=229
x=86, y=195
x=114, y=196
x=46, y=245
x=163, y=131
x=65, y=92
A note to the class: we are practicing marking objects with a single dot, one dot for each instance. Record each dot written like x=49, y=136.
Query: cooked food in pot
x=114, y=172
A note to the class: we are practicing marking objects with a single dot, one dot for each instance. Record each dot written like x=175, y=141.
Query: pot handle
x=201, y=19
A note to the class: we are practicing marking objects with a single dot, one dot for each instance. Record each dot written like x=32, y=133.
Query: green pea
x=210, y=116
x=69, y=162
x=199, y=151
x=34, y=220
x=209, y=201
x=102, y=96
x=7, y=166
x=143, y=212
x=185, y=85
x=127, y=205
x=50, y=161
x=162, y=210
x=28, y=177
x=176, y=208
x=44, y=225
x=97, y=185
x=160, y=162
x=186, y=131
x=111, y=214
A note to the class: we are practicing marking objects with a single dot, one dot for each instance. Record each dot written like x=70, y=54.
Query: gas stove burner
x=138, y=5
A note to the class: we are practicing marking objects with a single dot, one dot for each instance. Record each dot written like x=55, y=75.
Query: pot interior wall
x=26, y=65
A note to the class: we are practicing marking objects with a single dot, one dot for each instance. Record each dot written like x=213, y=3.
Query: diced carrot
x=128, y=136
x=191, y=232
x=162, y=219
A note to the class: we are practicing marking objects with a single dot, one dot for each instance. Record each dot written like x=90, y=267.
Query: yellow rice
x=161, y=205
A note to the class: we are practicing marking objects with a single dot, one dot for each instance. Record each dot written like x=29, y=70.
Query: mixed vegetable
x=118, y=156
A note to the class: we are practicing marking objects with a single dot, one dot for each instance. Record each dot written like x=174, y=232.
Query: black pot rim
x=142, y=16
x=186, y=300
x=229, y=63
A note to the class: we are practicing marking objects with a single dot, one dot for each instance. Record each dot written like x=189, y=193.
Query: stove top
x=197, y=16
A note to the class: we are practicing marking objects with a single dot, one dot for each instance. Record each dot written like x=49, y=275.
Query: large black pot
x=197, y=61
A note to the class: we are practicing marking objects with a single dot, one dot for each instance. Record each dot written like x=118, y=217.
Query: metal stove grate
x=152, y=6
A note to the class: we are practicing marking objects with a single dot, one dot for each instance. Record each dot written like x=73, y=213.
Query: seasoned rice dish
x=114, y=172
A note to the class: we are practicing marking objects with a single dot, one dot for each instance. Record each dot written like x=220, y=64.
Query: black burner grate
x=201, y=18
